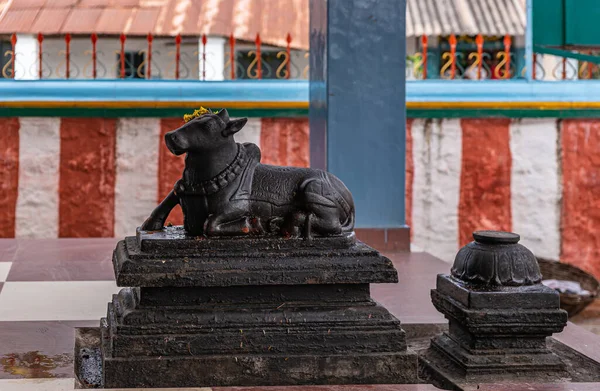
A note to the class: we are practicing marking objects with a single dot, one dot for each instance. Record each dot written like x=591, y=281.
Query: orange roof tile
x=143, y=21
x=63, y=3
x=27, y=4
x=113, y=20
x=273, y=19
x=80, y=20
x=18, y=21
x=50, y=20
x=94, y=3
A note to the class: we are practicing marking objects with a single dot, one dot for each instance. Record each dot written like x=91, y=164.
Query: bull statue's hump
x=225, y=190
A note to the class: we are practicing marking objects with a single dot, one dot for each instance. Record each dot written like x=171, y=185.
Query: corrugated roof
x=469, y=17
x=80, y=19
x=20, y=20
x=273, y=19
x=50, y=20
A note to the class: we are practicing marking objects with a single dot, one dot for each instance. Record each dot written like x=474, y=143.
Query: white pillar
x=26, y=67
x=215, y=58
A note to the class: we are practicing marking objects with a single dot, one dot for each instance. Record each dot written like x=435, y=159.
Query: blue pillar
x=357, y=102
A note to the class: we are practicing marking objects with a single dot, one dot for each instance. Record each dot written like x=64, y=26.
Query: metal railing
x=176, y=60
x=192, y=58
x=498, y=59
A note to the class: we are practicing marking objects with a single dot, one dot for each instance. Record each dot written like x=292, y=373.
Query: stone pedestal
x=243, y=311
x=499, y=316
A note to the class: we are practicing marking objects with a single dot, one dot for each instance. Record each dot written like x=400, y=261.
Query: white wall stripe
x=437, y=147
x=136, y=185
x=250, y=133
x=39, y=160
x=535, y=185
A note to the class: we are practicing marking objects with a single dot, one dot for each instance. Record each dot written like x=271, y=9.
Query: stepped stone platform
x=245, y=311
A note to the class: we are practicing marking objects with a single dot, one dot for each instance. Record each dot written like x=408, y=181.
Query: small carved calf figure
x=226, y=191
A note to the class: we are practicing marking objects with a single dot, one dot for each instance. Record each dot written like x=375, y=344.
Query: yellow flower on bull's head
x=197, y=113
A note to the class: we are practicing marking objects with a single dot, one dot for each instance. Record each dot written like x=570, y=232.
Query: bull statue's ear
x=234, y=126
x=224, y=115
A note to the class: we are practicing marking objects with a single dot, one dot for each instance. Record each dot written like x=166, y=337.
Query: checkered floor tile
x=4, y=269
x=55, y=300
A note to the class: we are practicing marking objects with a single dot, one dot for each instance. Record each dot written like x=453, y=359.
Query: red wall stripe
x=410, y=173
x=285, y=141
x=9, y=175
x=87, y=177
x=580, y=212
x=170, y=168
x=485, y=177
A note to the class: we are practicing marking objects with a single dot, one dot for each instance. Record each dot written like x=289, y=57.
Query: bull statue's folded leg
x=157, y=218
x=308, y=226
x=232, y=224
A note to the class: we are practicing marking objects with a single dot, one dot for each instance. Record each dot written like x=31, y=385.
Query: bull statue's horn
x=224, y=115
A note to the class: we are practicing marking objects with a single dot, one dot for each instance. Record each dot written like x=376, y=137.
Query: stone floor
x=47, y=287
x=589, y=318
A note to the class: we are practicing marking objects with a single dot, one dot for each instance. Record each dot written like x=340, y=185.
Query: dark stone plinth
x=499, y=317
x=154, y=260
x=248, y=369
x=246, y=311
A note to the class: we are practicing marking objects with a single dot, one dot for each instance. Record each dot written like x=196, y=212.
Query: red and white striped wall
x=537, y=177
x=98, y=177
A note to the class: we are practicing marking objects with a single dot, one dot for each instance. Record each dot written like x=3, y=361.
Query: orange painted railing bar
x=13, y=41
x=177, y=55
x=507, y=44
x=258, y=56
x=288, y=50
x=123, y=38
x=68, y=55
x=204, y=40
x=479, y=42
x=424, y=42
x=232, y=56
x=452, y=42
x=40, y=39
x=94, y=38
x=149, y=38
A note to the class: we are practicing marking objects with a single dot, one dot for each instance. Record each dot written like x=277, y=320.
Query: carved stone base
x=494, y=333
x=437, y=368
x=447, y=362
x=170, y=259
x=246, y=312
x=241, y=368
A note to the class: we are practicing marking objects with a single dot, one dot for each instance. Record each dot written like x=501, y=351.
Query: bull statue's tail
x=348, y=225
x=343, y=199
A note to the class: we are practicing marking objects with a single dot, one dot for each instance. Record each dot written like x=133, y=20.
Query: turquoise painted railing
x=430, y=98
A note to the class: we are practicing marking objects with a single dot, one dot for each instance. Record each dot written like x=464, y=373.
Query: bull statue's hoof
x=152, y=224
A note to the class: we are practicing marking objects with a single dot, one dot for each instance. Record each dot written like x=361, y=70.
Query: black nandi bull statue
x=226, y=191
